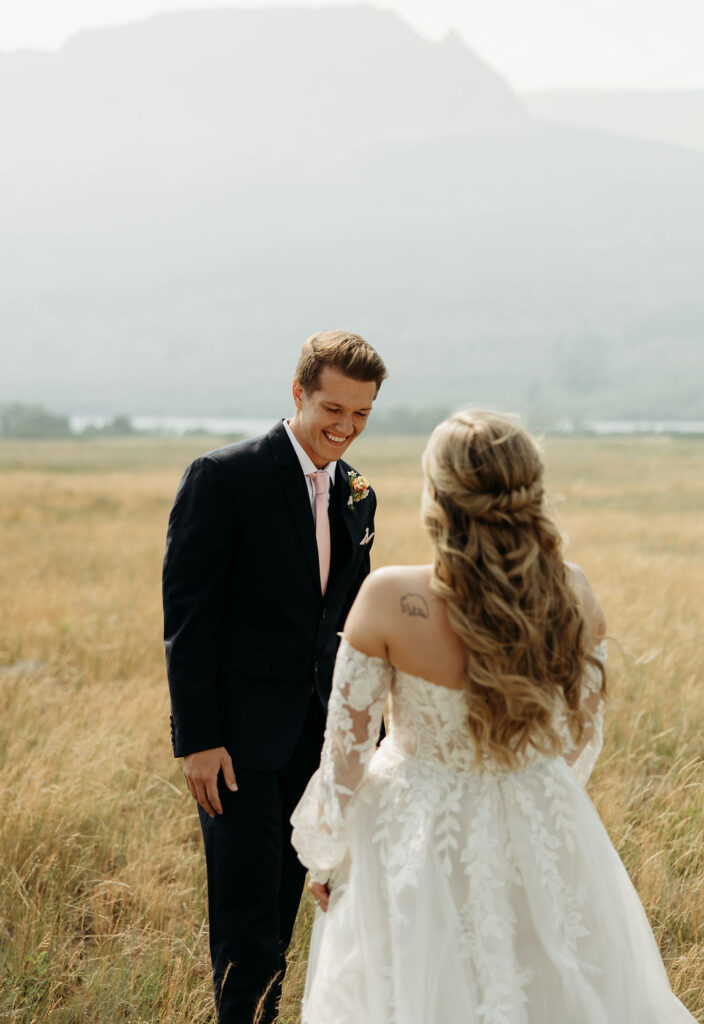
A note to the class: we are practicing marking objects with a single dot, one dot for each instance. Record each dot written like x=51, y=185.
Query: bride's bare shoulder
x=399, y=575
x=389, y=586
x=386, y=591
x=592, y=609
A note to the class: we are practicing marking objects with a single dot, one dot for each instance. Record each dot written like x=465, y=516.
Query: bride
x=465, y=873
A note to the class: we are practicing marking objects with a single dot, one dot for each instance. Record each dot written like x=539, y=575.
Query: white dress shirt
x=308, y=466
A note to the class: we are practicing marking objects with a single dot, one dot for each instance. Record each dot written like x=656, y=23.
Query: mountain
x=250, y=87
x=674, y=117
x=185, y=199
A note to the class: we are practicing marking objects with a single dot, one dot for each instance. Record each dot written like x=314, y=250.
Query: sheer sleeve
x=583, y=757
x=321, y=819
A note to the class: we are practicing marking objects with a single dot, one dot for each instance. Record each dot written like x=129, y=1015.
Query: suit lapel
x=350, y=518
x=342, y=496
x=293, y=484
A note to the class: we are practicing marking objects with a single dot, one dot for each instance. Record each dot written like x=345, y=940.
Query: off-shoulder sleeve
x=582, y=758
x=321, y=819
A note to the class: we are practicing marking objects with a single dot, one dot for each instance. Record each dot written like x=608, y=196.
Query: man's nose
x=345, y=426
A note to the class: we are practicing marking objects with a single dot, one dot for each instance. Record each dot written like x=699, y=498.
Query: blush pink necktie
x=321, y=479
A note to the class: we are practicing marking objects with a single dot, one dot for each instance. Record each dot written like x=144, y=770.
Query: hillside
x=674, y=117
x=187, y=198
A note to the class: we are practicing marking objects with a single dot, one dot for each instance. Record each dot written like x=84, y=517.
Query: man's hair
x=347, y=353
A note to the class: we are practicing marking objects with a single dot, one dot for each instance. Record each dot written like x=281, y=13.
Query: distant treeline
x=34, y=421
x=28, y=421
x=403, y=420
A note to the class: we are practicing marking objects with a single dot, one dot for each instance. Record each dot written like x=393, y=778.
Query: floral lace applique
x=320, y=822
x=488, y=922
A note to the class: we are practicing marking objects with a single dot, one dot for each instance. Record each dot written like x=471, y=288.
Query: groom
x=268, y=544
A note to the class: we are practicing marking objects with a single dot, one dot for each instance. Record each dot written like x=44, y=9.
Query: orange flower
x=359, y=488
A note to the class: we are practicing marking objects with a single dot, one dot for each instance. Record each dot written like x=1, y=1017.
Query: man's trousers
x=255, y=879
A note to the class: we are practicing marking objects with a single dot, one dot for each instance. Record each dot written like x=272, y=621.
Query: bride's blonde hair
x=499, y=568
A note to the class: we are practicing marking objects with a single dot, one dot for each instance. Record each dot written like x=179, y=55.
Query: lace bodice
x=426, y=722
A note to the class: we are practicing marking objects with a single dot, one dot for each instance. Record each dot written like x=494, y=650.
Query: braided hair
x=499, y=568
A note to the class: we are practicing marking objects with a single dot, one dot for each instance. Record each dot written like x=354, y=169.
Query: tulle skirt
x=482, y=898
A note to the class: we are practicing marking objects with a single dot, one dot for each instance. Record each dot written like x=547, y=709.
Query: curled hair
x=499, y=568
x=348, y=353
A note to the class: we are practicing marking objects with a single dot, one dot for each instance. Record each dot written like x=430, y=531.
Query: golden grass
x=102, y=900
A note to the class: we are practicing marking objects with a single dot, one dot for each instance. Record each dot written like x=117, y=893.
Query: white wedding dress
x=463, y=896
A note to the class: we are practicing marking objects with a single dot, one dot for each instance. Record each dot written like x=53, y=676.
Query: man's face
x=328, y=419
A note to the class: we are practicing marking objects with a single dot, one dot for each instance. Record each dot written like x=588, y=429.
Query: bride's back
x=400, y=619
x=428, y=710
x=498, y=614
x=419, y=638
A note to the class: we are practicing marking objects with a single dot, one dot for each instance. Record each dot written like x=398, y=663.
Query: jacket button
x=324, y=611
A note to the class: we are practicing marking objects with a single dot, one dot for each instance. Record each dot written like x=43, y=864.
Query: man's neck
x=304, y=456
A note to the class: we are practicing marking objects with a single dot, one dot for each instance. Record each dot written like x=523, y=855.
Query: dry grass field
x=102, y=892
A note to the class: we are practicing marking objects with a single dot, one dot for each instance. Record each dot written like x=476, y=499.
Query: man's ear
x=297, y=392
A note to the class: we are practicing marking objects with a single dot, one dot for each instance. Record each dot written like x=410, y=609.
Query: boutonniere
x=359, y=488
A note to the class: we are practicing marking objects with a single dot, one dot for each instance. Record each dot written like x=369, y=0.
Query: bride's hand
x=321, y=894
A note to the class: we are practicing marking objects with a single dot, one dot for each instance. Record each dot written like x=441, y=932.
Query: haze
x=186, y=198
x=542, y=44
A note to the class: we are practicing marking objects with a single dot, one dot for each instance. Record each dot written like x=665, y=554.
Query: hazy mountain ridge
x=179, y=220
x=673, y=117
x=192, y=77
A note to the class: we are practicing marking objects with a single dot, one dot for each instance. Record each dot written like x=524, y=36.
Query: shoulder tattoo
x=415, y=604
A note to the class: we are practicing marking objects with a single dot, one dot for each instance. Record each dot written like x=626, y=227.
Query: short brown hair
x=342, y=351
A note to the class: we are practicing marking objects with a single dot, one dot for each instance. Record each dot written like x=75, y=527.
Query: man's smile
x=334, y=438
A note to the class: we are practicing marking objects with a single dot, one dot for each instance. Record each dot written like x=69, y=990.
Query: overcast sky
x=533, y=43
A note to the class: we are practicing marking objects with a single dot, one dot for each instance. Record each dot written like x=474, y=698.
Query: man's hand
x=321, y=894
x=201, y=770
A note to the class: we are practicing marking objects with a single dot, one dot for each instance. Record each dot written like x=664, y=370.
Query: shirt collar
x=307, y=464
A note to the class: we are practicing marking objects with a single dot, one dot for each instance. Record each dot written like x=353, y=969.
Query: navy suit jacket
x=247, y=630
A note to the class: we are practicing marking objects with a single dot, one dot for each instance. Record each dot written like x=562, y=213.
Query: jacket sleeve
x=321, y=821
x=199, y=552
